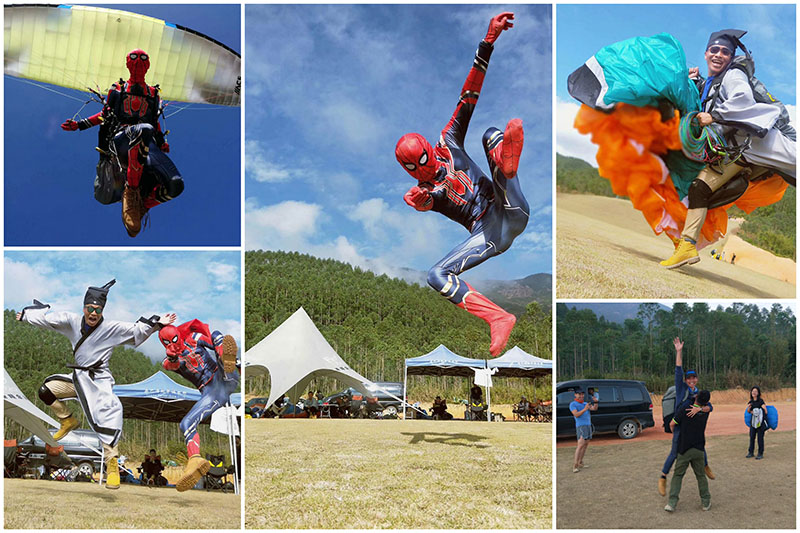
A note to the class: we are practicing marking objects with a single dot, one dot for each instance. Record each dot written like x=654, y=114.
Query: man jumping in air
x=208, y=361
x=93, y=341
x=494, y=211
x=131, y=133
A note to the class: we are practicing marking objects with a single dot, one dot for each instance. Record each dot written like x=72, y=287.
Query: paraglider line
x=46, y=88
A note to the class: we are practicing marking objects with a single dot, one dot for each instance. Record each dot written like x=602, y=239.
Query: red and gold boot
x=500, y=322
x=506, y=154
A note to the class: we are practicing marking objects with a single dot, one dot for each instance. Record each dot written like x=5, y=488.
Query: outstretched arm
x=456, y=130
x=84, y=124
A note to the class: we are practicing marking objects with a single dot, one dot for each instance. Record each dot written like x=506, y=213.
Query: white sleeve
x=738, y=108
x=133, y=333
x=58, y=321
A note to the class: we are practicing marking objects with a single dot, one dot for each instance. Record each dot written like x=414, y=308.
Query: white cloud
x=568, y=141
x=260, y=168
x=279, y=226
x=24, y=282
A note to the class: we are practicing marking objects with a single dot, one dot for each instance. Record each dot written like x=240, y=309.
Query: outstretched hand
x=69, y=125
x=19, y=316
x=498, y=25
x=418, y=198
x=167, y=319
x=678, y=344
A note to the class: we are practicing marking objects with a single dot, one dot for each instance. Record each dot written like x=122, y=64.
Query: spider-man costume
x=195, y=353
x=494, y=210
x=130, y=120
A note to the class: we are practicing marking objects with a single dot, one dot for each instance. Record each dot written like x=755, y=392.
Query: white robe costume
x=736, y=105
x=93, y=380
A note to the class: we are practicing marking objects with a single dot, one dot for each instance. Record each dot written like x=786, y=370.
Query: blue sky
x=49, y=173
x=771, y=38
x=330, y=90
x=204, y=285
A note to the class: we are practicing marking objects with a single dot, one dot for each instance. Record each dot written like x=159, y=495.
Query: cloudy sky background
x=204, y=285
x=330, y=89
x=770, y=38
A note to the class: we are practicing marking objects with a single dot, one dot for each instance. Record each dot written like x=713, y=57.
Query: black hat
x=726, y=38
x=98, y=295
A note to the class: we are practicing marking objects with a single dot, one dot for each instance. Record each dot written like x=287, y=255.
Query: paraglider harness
x=111, y=175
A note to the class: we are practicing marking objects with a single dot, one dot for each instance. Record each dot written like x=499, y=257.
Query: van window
x=564, y=398
x=632, y=394
x=607, y=394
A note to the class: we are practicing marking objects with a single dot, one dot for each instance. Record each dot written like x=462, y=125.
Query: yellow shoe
x=67, y=425
x=196, y=468
x=229, y=350
x=709, y=473
x=685, y=254
x=112, y=474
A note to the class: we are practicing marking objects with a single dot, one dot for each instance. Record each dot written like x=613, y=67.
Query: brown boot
x=132, y=210
x=500, y=322
x=229, y=350
x=196, y=468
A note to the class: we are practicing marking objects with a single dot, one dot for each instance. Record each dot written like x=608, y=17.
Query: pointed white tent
x=294, y=354
x=21, y=410
x=518, y=363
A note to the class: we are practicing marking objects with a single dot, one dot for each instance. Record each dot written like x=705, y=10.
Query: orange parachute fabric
x=631, y=141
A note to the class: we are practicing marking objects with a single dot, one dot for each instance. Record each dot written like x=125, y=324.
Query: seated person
x=440, y=409
x=372, y=407
x=311, y=405
x=343, y=406
x=523, y=408
x=151, y=469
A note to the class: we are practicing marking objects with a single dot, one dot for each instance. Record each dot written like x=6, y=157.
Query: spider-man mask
x=138, y=62
x=416, y=155
x=170, y=337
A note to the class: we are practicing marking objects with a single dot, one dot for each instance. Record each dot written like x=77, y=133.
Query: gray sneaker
x=707, y=507
x=668, y=508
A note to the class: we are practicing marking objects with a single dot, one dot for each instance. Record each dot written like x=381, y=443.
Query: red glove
x=497, y=25
x=69, y=125
x=419, y=198
x=165, y=147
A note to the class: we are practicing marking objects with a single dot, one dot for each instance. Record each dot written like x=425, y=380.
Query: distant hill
x=612, y=312
x=512, y=295
x=576, y=175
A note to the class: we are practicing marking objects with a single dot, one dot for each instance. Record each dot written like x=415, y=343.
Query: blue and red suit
x=193, y=352
x=493, y=210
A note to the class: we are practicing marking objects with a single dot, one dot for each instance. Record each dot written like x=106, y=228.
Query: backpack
x=668, y=406
x=760, y=93
x=109, y=181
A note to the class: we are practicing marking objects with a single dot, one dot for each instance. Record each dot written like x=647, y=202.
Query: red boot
x=500, y=322
x=506, y=154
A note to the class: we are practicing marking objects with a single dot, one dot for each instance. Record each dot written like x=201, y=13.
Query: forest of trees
x=32, y=354
x=375, y=322
x=739, y=346
x=771, y=227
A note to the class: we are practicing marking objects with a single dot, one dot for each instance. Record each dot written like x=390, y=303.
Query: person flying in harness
x=753, y=124
x=130, y=137
x=208, y=360
x=93, y=341
x=685, y=393
x=494, y=211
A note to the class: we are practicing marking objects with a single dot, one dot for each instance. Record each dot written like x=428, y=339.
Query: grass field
x=37, y=504
x=618, y=489
x=365, y=474
x=605, y=249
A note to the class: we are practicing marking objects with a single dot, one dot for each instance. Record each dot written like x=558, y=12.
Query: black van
x=624, y=408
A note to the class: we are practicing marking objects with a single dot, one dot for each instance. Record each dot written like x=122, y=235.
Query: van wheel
x=86, y=468
x=628, y=429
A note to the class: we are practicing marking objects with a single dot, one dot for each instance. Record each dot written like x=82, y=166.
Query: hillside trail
x=605, y=249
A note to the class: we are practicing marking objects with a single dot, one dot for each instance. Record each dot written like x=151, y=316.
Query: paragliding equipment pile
x=704, y=144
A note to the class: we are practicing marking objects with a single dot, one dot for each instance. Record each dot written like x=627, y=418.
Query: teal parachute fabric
x=644, y=70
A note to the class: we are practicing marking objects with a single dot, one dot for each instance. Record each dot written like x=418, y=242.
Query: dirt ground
x=618, y=488
x=605, y=249
x=39, y=504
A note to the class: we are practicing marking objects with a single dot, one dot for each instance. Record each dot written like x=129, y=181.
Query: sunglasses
x=720, y=50
x=143, y=57
x=94, y=310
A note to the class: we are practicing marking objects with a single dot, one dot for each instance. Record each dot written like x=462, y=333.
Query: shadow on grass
x=451, y=439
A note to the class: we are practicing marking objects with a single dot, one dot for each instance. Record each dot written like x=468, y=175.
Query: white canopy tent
x=294, y=354
x=22, y=411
